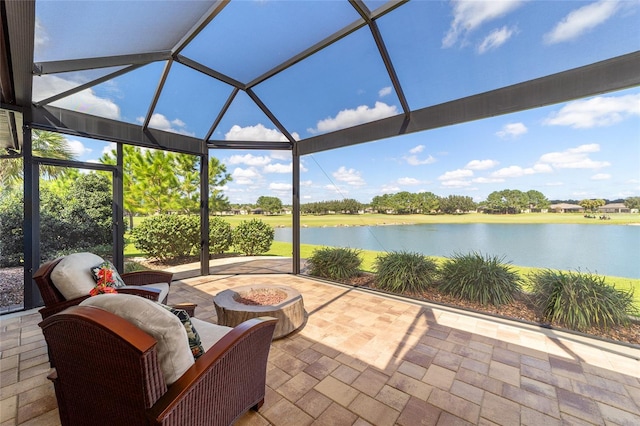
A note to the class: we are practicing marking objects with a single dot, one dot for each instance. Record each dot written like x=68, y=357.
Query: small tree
x=253, y=237
x=167, y=236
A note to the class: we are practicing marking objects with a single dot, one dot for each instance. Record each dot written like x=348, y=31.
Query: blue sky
x=442, y=50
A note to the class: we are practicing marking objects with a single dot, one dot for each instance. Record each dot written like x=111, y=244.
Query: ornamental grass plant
x=402, y=271
x=580, y=301
x=336, y=263
x=479, y=278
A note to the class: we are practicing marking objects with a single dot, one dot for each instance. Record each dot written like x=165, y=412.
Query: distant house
x=566, y=208
x=614, y=208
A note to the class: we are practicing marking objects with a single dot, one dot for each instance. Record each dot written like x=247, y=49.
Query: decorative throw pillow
x=107, y=274
x=194, y=338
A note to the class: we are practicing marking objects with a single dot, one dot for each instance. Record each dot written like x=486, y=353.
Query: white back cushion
x=174, y=354
x=72, y=276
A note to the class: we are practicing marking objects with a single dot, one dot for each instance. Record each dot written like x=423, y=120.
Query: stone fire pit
x=239, y=304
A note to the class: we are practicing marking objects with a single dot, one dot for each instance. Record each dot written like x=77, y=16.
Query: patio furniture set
x=128, y=358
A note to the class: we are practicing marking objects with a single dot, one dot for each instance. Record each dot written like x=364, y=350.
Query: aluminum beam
x=601, y=77
x=79, y=124
x=54, y=67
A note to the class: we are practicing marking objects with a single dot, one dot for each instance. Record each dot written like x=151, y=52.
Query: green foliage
x=346, y=206
x=457, y=204
x=405, y=272
x=220, y=235
x=74, y=216
x=632, y=203
x=478, y=278
x=580, y=301
x=591, y=205
x=335, y=263
x=167, y=236
x=252, y=237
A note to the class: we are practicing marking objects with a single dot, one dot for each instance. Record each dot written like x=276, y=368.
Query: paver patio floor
x=364, y=358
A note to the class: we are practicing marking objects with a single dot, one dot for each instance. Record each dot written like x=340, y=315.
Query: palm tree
x=45, y=144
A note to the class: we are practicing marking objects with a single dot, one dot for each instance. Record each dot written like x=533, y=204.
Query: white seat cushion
x=174, y=354
x=72, y=275
x=209, y=333
x=163, y=287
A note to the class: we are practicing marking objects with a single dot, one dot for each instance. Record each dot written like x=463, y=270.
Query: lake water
x=602, y=249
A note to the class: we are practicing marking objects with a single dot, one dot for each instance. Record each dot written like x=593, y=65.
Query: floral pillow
x=194, y=338
x=106, y=273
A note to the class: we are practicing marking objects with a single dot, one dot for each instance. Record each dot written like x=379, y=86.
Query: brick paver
x=365, y=359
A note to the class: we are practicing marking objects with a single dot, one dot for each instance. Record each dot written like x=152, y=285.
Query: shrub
x=220, y=235
x=335, y=263
x=580, y=301
x=478, y=278
x=252, y=237
x=405, y=272
x=167, y=236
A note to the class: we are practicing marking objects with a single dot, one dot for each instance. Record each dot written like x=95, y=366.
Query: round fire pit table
x=236, y=305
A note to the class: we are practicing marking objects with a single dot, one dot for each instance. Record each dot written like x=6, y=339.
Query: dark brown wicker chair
x=55, y=302
x=107, y=372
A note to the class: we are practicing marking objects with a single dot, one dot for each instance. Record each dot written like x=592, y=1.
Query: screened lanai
x=301, y=77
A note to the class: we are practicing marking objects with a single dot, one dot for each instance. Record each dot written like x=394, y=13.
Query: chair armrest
x=225, y=382
x=47, y=311
x=147, y=277
x=146, y=292
x=190, y=308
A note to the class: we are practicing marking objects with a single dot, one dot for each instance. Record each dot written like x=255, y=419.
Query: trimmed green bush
x=220, y=235
x=580, y=301
x=252, y=237
x=402, y=271
x=335, y=263
x=167, y=236
x=478, y=278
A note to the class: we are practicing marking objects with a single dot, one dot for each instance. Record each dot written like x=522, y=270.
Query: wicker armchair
x=139, y=283
x=108, y=371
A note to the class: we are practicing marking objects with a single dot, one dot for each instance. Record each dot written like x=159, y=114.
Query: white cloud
x=408, y=181
x=353, y=117
x=581, y=20
x=280, y=155
x=417, y=150
x=350, y=176
x=335, y=188
x=160, y=122
x=111, y=146
x=256, y=133
x=574, y=158
x=385, y=91
x=512, y=130
x=249, y=160
x=78, y=147
x=554, y=184
x=481, y=164
x=495, y=39
x=456, y=174
x=85, y=101
x=487, y=180
x=306, y=183
x=456, y=183
x=389, y=189
x=517, y=171
x=41, y=38
x=601, y=176
x=278, y=168
x=413, y=160
x=244, y=176
x=280, y=187
x=468, y=15
x=596, y=112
